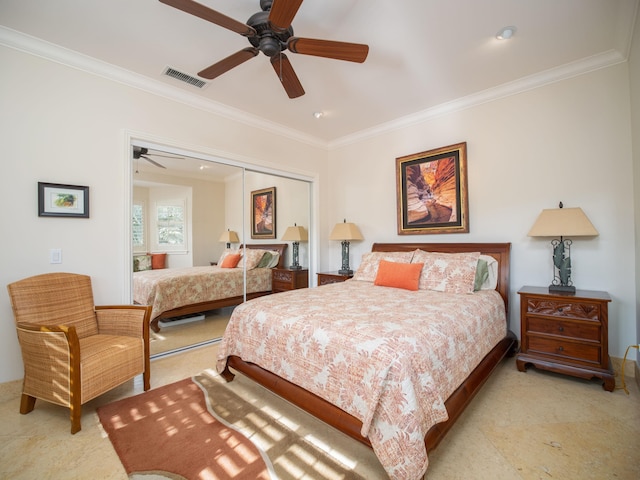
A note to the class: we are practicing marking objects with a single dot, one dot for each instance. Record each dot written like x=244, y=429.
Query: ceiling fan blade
x=282, y=13
x=199, y=10
x=287, y=75
x=153, y=162
x=228, y=63
x=351, y=52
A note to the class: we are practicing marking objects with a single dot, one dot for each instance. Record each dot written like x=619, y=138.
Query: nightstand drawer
x=327, y=278
x=568, y=350
x=573, y=329
x=285, y=276
x=579, y=310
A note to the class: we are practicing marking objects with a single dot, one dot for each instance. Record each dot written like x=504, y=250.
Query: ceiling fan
x=142, y=152
x=271, y=33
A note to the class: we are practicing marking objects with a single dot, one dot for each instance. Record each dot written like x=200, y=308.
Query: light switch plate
x=55, y=255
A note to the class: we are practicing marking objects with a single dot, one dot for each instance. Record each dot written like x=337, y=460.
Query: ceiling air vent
x=184, y=77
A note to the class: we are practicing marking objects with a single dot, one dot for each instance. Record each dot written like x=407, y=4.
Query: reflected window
x=170, y=225
x=138, y=231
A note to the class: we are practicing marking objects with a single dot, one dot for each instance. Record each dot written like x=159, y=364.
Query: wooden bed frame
x=281, y=248
x=455, y=404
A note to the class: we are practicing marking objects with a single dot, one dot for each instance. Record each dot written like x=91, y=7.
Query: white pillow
x=492, y=280
x=275, y=258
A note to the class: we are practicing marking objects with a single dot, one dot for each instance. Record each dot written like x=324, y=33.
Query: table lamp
x=562, y=222
x=229, y=237
x=296, y=235
x=345, y=232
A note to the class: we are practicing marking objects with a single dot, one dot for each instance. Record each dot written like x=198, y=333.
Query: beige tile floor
x=533, y=425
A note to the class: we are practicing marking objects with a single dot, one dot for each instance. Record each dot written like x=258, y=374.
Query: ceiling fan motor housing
x=266, y=39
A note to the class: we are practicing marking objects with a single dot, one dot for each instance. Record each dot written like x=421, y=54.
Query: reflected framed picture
x=58, y=200
x=432, y=191
x=263, y=213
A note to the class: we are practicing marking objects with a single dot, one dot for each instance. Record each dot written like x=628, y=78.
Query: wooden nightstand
x=566, y=333
x=283, y=279
x=332, y=277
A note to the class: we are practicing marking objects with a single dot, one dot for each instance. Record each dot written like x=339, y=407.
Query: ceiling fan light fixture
x=269, y=45
x=506, y=33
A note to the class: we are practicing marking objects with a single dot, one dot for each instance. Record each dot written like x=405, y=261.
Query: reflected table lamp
x=562, y=222
x=229, y=237
x=296, y=235
x=345, y=232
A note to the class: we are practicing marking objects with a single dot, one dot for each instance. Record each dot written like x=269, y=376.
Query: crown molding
x=531, y=82
x=55, y=53
x=34, y=46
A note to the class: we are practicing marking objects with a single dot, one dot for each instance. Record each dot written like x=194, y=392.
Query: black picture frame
x=60, y=200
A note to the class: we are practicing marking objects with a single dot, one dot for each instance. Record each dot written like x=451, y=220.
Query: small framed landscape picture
x=432, y=191
x=58, y=200
x=263, y=213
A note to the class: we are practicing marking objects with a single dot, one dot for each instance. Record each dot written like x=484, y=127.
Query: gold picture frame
x=263, y=213
x=432, y=191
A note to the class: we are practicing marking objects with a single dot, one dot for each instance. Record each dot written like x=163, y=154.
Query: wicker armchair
x=72, y=350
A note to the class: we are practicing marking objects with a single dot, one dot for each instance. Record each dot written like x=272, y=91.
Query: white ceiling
x=426, y=56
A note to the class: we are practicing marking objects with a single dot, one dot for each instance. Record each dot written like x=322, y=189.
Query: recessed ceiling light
x=506, y=33
x=318, y=115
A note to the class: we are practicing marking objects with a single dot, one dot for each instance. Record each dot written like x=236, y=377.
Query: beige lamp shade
x=229, y=237
x=295, y=234
x=563, y=222
x=346, y=231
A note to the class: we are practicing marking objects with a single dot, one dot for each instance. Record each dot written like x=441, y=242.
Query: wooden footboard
x=351, y=426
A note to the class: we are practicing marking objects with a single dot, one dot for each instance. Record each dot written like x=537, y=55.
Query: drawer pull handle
x=561, y=349
x=560, y=309
x=561, y=328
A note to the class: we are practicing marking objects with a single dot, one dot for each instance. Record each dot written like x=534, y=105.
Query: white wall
x=206, y=211
x=61, y=125
x=569, y=141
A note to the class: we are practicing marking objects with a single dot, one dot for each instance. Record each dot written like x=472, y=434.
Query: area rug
x=204, y=428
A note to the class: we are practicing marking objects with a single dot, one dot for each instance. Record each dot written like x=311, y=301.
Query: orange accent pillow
x=231, y=260
x=158, y=260
x=398, y=275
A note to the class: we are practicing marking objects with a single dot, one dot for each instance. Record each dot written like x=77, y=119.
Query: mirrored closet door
x=186, y=211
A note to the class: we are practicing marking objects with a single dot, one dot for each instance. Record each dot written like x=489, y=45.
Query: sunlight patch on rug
x=203, y=428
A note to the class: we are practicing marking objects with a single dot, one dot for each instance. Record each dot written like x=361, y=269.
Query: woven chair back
x=55, y=299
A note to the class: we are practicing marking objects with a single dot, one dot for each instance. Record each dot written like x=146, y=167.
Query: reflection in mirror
x=181, y=208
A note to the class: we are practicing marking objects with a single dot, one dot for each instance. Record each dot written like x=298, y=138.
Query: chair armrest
x=47, y=342
x=129, y=320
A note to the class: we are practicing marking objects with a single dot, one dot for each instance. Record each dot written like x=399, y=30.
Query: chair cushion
x=108, y=361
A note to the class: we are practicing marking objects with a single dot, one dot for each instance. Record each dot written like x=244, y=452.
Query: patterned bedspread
x=171, y=288
x=387, y=356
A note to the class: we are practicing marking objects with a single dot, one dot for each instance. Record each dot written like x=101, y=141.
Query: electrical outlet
x=55, y=255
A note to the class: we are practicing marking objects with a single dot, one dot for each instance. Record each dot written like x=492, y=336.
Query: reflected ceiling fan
x=141, y=152
x=271, y=33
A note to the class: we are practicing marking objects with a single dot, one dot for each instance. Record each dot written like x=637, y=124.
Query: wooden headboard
x=500, y=251
x=281, y=248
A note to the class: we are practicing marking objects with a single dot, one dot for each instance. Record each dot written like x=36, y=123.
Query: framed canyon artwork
x=432, y=191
